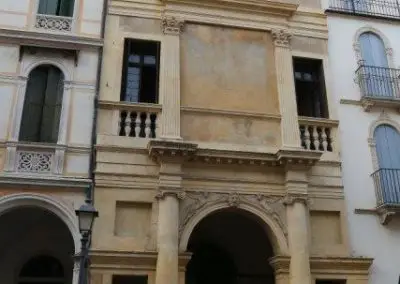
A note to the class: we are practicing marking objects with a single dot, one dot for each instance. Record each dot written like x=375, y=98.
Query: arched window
x=63, y=8
x=377, y=79
x=42, y=105
x=387, y=178
x=42, y=269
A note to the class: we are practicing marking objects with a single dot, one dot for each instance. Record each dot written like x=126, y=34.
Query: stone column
x=168, y=238
x=286, y=89
x=170, y=78
x=297, y=214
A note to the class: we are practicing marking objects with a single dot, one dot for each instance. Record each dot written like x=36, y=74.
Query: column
x=170, y=78
x=297, y=215
x=168, y=238
x=286, y=89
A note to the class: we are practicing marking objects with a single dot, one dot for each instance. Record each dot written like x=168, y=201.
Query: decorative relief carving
x=195, y=201
x=178, y=194
x=281, y=38
x=291, y=198
x=171, y=25
x=53, y=23
x=34, y=162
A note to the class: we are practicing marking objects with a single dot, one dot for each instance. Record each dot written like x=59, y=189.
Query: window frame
x=127, y=43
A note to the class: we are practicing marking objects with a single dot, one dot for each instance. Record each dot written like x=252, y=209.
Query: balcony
x=379, y=86
x=387, y=189
x=373, y=8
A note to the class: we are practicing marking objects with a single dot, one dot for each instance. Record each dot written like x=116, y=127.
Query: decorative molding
x=161, y=194
x=53, y=23
x=346, y=265
x=172, y=26
x=43, y=180
x=281, y=38
x=292, y=198
x=165, y=149
x=195, y=201
x=298, y=157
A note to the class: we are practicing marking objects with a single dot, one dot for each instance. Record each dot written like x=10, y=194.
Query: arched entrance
x=229, y=246
x=36, y=247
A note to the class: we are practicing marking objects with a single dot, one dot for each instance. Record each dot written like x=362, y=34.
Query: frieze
x=195, y=201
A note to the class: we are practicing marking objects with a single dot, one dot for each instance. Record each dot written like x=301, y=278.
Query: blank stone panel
x=132, y=219
x=325, y=228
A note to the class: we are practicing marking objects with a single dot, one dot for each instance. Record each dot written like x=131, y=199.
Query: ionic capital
x=161, y=194
x=172, y=25
x=281, y=37
x=292, y=198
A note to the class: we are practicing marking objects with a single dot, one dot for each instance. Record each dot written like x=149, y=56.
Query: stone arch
x=28, y=69
x=53, y=205
x=386, y=43
x=271, y=221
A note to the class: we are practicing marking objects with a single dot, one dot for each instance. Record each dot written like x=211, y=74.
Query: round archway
x=36, y=246
x=229, y=246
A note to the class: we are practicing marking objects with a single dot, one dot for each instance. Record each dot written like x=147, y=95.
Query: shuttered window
x=63, y=8
x=42, y=105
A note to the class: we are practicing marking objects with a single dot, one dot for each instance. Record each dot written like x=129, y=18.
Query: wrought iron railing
x=379, y=82
x=379, y=8
x=387, y=186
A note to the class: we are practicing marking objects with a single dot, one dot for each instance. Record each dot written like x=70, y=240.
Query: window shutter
x=33, y=104
x=48, y=7
x=66, y=8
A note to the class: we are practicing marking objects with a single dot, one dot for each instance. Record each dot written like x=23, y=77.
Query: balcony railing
x=53, y=23
x=387, y=186
x=377, y=8
x=317, y=133
x=379, y=82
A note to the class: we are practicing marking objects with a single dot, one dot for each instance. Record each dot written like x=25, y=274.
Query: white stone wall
x=21, y=14
x=368, y=237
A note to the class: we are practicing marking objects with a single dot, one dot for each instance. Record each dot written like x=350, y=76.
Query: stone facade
x=46, y=177
x=228, y=138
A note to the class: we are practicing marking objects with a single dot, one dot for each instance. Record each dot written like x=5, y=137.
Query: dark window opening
x=310, y=87
x=338, y=281
x=129, y=279
x=64, y=8
x=42, y=269
x=141, y=71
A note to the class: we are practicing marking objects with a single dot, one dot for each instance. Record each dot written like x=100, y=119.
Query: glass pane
x=66, y=8
x=48, y=7
x=151, y=60
x=132, y=84
x=134, y=58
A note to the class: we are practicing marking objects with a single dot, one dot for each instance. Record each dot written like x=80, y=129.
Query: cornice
x=298, y=157
x=336, y=265
x=63, y=41
x=41, y=180
x=166, y=149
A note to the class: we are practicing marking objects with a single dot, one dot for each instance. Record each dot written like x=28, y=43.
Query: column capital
x=281, y=37
x=161, y=194
x=292, y=198
x=171, y=25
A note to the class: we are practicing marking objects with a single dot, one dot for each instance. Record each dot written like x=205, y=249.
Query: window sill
x=368, y=103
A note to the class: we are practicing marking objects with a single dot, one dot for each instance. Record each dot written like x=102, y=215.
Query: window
x=42, y=105
x=376, y=77
x=63, y=8
x=42, y=269
x=141, y=71
x=129, y=279
x=318, y=281
x=310, y=87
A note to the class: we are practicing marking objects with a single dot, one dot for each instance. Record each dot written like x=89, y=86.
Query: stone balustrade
x=318, y=134
x=53, y=23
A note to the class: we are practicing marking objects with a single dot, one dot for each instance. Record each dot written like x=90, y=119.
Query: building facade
x=364, y=36
x=49, y=53
x=218, y=147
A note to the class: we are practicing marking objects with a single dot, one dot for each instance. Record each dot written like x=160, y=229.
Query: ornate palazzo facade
x=222, y=158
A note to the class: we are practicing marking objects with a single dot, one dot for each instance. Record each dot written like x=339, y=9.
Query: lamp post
x=86, y=215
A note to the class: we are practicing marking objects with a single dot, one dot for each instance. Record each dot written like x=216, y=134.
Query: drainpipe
x=92, y=164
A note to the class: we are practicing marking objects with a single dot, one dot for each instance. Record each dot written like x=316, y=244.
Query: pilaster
x=286, y=89
x=18, y=108
x=170, y=78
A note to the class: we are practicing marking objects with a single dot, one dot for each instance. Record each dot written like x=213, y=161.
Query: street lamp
x=86, y=215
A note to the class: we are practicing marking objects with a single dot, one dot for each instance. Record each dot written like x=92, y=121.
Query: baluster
x=307, y=140
x=316, y=137
x=120, y=123
x=137, y=124
x=128, y=123
x=331, y=137
x=147, y=122
x=324, y=139
x=157, y=125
